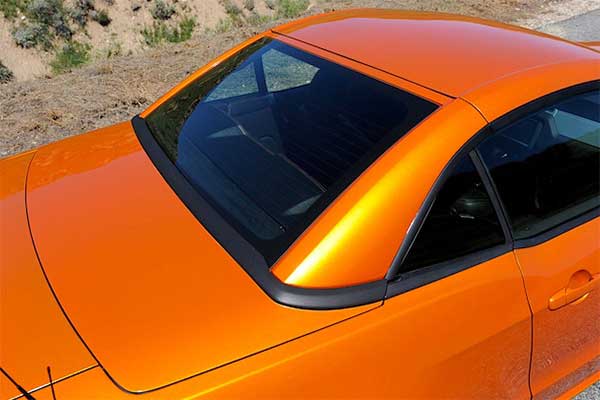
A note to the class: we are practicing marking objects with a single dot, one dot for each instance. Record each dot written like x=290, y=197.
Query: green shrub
x=101, y=17
x=224, y=25
x=6, y=74
x=160, y=32
x=291, y=8
x=71, y=55
x=186, y=28
x=231, y=9
x=33, y=35
x=50, y=13
x=81, y=10
x=11, y=8
x=162, y=11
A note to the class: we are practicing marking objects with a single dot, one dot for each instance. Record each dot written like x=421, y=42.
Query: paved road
x=582, y=28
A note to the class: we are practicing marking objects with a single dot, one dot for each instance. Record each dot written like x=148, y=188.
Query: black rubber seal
x=243, y=252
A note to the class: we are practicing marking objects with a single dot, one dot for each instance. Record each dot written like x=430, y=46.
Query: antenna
x=51, y=382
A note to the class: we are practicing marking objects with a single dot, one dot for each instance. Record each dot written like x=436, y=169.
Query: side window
x=546, y=165
x=462, y=220
x=285, y=72
x=240, y=82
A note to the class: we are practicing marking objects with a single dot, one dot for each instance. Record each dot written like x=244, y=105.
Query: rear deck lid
x=152, y=294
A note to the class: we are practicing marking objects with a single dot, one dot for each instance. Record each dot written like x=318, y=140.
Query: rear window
x=272, y=135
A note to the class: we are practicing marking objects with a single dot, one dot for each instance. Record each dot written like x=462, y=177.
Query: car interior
x=545, y=163
x=268, y=156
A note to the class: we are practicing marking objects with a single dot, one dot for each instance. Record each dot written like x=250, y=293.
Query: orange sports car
x=362, y=204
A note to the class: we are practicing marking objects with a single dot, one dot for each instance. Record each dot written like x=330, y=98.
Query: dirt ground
x=40, y=111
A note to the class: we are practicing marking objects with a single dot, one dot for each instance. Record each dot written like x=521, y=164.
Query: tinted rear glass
x=273, y=134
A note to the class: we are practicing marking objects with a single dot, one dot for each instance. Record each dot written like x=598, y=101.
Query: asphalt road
x=582, y=28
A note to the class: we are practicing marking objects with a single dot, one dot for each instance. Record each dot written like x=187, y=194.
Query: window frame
x=520, y=113
x=399, y=282
x=237, y=246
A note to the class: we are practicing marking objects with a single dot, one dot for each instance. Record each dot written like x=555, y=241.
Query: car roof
x=446, y=53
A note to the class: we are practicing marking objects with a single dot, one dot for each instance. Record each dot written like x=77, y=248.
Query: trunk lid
x=152, y=294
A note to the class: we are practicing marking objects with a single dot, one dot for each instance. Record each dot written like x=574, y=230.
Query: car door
x=544, y=160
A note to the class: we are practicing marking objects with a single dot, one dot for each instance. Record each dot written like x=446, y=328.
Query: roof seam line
x=475, y=107
x=363, y=63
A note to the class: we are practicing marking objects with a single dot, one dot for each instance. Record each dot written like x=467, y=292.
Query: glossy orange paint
x=163, y=307
x=142, y=281
x=566, y=341
x=33, y=331
x=408, y=348
x=448, y=53
x=377, y=207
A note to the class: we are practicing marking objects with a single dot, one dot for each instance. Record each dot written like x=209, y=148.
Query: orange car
x=362, y=204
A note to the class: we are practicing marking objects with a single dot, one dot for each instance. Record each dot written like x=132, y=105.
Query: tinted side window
x=461, y=221
x=546, y=165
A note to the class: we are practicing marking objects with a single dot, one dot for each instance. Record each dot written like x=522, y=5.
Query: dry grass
x=36, y=112
x=41, y=111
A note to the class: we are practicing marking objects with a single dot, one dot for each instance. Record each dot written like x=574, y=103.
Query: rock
x=135, y=6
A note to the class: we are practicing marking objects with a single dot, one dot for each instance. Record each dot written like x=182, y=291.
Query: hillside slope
x=109, y=90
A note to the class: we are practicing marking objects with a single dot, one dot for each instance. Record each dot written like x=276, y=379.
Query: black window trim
x=400, y=283
x=521, y=112
x=243, y=252
x=394, y=283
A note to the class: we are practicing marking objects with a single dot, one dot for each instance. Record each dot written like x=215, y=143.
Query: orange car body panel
x=408, y=348
x=372, y=216
x=566, y=345
x=152, y=286
x=33, y=331
x=447, y=53
x=158, y=301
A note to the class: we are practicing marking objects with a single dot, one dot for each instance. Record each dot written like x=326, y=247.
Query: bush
x=162, y=11
x=72, y=54
x=224, y=25
x=231, y=9
x=186, y=28
x=32, y=35
x=101, y=17
x=81, y=10
x=50, y=13
x=161, y=32
x=291, y=8
x=6, y=74
x=11, y=8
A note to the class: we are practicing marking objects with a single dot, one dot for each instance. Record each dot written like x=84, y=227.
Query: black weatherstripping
x=415, y=227
x=521, y=113
x=243, y=252
x=270, y=151
x=400, y=283
x=424, y=276
x=20, y=388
